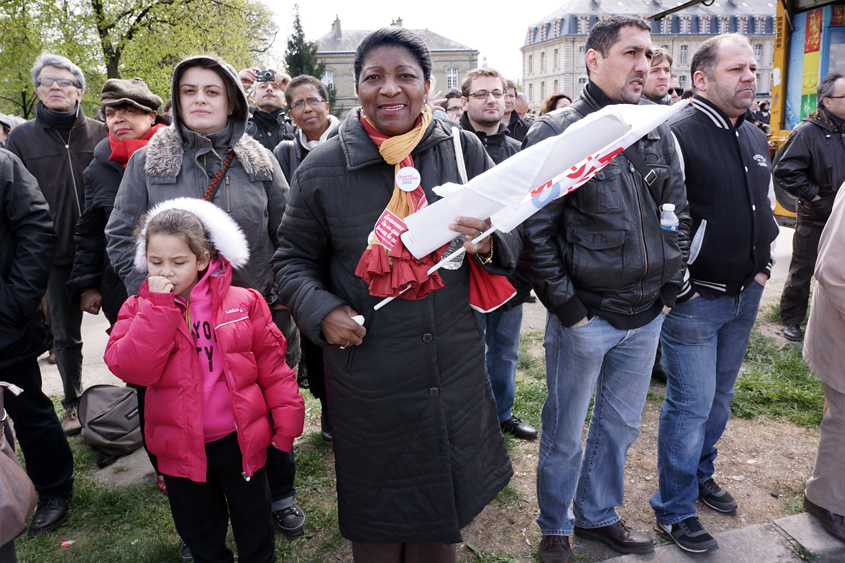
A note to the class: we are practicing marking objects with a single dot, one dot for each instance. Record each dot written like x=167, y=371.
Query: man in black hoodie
x=483, y=103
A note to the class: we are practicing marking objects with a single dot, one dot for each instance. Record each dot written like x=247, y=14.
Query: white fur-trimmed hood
x=227, y=236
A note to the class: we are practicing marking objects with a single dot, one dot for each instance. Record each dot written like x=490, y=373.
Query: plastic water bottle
x=668, y=219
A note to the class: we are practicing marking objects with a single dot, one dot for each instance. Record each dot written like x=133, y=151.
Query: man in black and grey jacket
x=728, y=181
x=602, y=265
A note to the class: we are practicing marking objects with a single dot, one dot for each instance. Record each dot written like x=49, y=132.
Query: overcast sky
x=497, y=32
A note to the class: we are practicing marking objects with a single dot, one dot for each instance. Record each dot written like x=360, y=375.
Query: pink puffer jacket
x=150, y=345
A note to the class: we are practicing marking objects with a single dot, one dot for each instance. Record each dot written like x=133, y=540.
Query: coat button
x=434, y=391
x=427, y=338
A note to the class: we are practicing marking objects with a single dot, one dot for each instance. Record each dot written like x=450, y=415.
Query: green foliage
x=778, y=384
x=301, y=54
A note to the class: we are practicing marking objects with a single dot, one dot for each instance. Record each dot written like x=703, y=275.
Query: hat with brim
x=133, y=92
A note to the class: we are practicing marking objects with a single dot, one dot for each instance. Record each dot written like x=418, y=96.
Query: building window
x=543, y=90
x=557, y=87
x=582, y=53
x=686, y=24
x=452, y=78
x=557, y=58
x=583, y=24
x=724, y=24
x=759, y=82
x=530, y=64
x=582, y=82
x=742, y=24
x=682, y=55
x=704, y=24
x=531, y=92
x=682, y=80
x=666, y=25
x=543, y=61
x=758, y=53
x=328, y=79
x=665, y=48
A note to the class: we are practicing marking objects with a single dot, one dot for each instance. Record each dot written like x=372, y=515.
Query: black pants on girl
x=200, y=509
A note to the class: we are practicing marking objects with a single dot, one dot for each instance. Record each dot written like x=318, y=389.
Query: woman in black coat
x=418, y=448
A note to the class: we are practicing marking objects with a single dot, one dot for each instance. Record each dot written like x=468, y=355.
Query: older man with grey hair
x=811, y=167
x=56, y=147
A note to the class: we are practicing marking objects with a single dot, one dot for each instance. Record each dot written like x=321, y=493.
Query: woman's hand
x=91, y=301
x=472, y=227
x=160, y=284
x=339, y=328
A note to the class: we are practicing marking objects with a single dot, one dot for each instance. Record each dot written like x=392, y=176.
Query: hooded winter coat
x=417, y=443
x=151, y=345
x=179, y=162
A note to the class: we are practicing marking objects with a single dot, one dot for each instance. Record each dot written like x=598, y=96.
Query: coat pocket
x=602, y=194
x=597, y=258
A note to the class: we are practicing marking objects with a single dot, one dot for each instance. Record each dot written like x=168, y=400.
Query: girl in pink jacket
x=214, y=365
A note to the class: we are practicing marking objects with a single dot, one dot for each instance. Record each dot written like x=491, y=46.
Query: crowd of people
x=230, y=245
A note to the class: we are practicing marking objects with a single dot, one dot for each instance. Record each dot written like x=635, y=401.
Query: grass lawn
x=133, y=524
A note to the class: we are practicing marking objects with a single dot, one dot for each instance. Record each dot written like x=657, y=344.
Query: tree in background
x=301, y=58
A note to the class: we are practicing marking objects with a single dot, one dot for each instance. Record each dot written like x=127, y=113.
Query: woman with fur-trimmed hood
x=206, y=154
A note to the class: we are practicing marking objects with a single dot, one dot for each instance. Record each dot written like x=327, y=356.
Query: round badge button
x=408, y=179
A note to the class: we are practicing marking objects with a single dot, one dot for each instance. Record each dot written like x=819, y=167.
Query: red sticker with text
x=388, y=229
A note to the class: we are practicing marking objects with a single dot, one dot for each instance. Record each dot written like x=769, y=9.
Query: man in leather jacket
x=812, y=168
x=606, y=271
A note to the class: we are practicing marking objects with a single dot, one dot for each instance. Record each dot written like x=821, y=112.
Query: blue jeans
x=501, y=332
x=617, y=365
x=704, y=343
x=66, y=323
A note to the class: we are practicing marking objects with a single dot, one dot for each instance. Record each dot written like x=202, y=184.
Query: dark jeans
x=7, y=553
x=796, y=290
x=200, y=509
x=312, y=357
x=49, y=462
x=66, y=319
x=281, y=472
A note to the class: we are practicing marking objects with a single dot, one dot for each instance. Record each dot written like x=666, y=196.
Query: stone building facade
x=554, y=47
x=450, y=61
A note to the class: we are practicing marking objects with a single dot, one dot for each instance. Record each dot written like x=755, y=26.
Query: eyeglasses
x=836, y=97
x=454, y=108
x=678, y=91
x=47, y=82
x=313, y=102
x=482, y=94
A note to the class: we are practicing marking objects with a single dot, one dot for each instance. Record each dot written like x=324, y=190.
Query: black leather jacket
x=812, y=163
x=601, y=248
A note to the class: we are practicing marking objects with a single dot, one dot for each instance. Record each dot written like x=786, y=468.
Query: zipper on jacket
x=70, y=163
x=228, y=207
x=642, y=235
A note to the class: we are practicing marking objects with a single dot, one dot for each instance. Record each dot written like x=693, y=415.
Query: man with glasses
x=607, y=272
x=268, y=123
x=483, y=102
x=56, y=147
x=812, y=168
x=657, y=84
x=517, y=127
x=675, y=90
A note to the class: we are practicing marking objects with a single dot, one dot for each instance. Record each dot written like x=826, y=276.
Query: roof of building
x=350, y=39
x=570, y=10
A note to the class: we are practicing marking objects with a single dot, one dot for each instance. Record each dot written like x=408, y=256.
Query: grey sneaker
x=715, y=496
x=690, y=535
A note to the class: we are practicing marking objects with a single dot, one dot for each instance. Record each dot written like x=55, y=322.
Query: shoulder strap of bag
x=215, y=182
x=459, y=154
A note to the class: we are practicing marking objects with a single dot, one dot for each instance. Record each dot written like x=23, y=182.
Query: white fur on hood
x=226, y=235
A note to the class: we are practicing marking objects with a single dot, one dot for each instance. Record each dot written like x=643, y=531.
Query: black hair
x=393, y=36
x=301, y=80
x=606, y=32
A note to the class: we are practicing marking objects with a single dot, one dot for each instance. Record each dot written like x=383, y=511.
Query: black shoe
x=715, y=496
x=554, y=549
x=291, y=520
x=619, y=537
x=185, y=555
x=325, y=427
x=690, y=535
x=793, y=332
x=49, y=515
x=658, y=372
x=519, y=429
x=833, y=523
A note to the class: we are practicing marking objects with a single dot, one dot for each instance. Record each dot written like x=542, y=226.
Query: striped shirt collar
x=716, y=115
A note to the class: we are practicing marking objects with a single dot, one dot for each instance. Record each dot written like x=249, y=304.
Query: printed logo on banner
x=549, y=191
x=388, y=229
